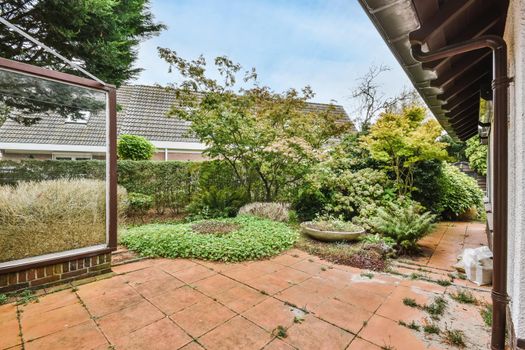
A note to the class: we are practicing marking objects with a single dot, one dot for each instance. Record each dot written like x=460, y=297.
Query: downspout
x=500, y=84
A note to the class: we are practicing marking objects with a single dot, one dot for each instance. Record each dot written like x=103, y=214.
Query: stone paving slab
x=293, y=301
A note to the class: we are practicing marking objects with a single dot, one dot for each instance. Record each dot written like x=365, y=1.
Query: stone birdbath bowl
x=311, y=229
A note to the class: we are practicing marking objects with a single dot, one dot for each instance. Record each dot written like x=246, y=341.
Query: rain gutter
x=500, y=85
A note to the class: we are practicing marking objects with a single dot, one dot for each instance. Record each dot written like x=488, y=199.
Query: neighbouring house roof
x=142, y=111
x=450, y=87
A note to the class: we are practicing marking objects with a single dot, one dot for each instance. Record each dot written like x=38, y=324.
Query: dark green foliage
x=412, y=325
x=403, y=222
x=431, y=328
x=464, y=297
x=255, y=239
x=101, y=36
x=3, y=299
x=139, y=204
x=458, y=193
x=216, y=202
x=308, y=203
x=437, y=308
x=443, y=282
x=133, y=147
x=486, y=314
x=455, y=337
x=477, y=155
x=410, y=302
x=427, y=184
x=455, y=149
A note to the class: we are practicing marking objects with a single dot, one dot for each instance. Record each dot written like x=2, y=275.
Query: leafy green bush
x=343, y=193
x=51, y=216
x=217, y=202
x=477, y=155
x=139, y=203
x=267, y=210
x=458, y=193
x=133, y=147
x=255, y=239
x=427, y=184
x=404, y=223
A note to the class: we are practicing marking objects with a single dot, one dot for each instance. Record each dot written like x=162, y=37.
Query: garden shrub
x=403, y=222
x=216, y=202
x=255, y=239
x=476, y=153
x=139, y=203
x=133, y=147
x=458, y=193
x=427, y=185
x=51, y=216
x=271, y=210
x=344, y=193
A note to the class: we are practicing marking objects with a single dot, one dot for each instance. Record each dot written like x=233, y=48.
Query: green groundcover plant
x=255, y=238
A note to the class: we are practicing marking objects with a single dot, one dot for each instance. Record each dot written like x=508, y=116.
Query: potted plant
x=331, y=229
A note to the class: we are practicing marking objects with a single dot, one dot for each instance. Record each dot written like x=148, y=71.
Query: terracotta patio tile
x=178, y=299
x=272, y=313
x=241, y=298
x=97, y=288
x=192, y=346
x=361, y=298
x=340, y=277
x=346, y=316
x=360, y=344
x=51, y=302
x=202, y=317
x=125, y=321
x=217, y=266
x=124, y=268
x=384, y=332
x=82, y=336
x=243, y=274
x=375, y=286
x=288, y=259
x=425, y=285
x=174, y=265
x=193, y=274
x=111, y=300
x=394, y=308
x=158, y=286
x=265, y=266
x=160, y=335
x=9, y=330
x=269, y=284
x=139, y=277
x=315, y=334
x=55, y=320
x=322, y=286
x=310, y=267
x=277, y=344
x=291, y=276
x=303, y=297
x=237, y=333
x=216, y=284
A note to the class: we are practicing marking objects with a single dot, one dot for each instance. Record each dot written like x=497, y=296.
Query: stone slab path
x=292, y=301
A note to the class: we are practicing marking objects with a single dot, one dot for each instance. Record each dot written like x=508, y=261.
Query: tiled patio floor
x=190, y=305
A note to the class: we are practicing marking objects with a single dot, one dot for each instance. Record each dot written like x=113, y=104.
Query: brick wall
x=55, y=273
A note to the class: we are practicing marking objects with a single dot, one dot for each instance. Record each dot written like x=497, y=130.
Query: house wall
x=515, y=38
x=159, y=156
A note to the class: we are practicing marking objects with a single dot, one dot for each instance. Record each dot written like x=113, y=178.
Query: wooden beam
x=481, y=26
x=464, y=63
x=467, y=120
x=467, y=135
x=466, y=81
x=463, y=105
x=446, y=14
x=464, y=128
x=463, y=116
x=458, y=99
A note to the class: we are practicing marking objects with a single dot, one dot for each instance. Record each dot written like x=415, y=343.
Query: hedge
x=172, y=184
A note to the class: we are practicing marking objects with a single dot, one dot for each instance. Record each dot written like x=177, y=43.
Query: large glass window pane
x=47, y=204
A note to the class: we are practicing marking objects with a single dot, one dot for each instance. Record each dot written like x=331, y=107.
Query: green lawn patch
x=251, y=238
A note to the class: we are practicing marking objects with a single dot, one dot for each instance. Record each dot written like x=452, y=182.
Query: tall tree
x=99, y=35
x=403, y=140
x=259, y=133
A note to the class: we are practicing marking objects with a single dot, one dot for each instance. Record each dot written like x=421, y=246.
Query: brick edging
x=56, y=273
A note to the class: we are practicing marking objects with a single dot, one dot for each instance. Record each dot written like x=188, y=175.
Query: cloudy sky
x=327, y=44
